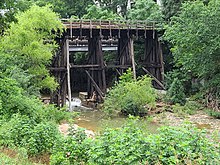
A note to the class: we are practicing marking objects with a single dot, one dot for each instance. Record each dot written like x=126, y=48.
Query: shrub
x=124, y=145
x=172, y=145
x=189, y=108
x=6, y=160
x=176, y=145
x=175, y=93
x=215, y=114
x=13, y=100
x=129, y=145
x=130, y=96
x=72, y=149
x=22, y=131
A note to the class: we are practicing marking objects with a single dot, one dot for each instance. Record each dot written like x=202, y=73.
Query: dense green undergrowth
x=129, y=145
x=129, y=96
x=25, y=122
x=19, y=158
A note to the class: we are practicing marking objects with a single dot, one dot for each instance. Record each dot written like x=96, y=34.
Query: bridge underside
x=95, y=40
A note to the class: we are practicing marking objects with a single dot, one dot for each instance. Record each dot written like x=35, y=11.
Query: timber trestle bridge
x=95, y=37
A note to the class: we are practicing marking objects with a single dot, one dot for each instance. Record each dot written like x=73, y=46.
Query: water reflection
x=97, y=121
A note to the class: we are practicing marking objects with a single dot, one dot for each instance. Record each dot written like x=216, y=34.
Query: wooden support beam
x=122, y=50
x=118, y=66
x=57, y=68
x=101, y=94
x=156, y=80
x=68, y=73
x=161, y=61
x=132, y=58
x=118, y=72
x=84, y=66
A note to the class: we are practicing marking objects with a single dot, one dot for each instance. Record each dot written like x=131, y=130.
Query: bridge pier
x=97, y=79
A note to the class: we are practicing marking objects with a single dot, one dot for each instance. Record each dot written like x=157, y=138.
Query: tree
x=196, y=47
x=170, y=8
x=116, y=6
x=145, y=10
x=67, y=8
x=9, y=8
x=25, y=45
x=94, y=12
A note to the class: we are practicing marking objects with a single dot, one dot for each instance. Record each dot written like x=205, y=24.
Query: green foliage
x=6, y=160
x=22, y=131
x=130, y=96
x=67, y=8
x=124, y=145
x=145, y=10
x=10, y=8
x=24, y=44
x=195, y=43
x=24, y=120
x=94, y=12
x=72, y=149
x=13, y=100
x=175, y=93
x=190, y=108
x=171, y=8
x=116, y=6
x=215, y=114
x=129, y=145
x=175, y=145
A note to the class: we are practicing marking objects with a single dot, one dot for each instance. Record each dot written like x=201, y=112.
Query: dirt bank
x=200, y=120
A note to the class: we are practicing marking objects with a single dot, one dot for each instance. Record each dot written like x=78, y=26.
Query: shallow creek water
x=97, y=121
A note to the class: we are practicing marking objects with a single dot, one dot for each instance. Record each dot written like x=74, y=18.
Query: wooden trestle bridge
x=95, y=37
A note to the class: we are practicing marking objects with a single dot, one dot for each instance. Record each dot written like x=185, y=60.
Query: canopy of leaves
x=170, y=7
x=116, y=6
x=67, y=8
x=94, y=12
x=196, y=45
x=145, y=10
x=25, y=44
x=9, y=8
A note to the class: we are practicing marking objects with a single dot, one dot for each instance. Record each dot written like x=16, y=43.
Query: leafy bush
x=129, y=145
x=189, y=108
x=130, y=96
x=190, y=48
x=175, y=93
x=72, y=149
x=215, y=114
x=22, y=131
x=187, y=145
x=13, y=100
x=125, y=145
x=6, y=160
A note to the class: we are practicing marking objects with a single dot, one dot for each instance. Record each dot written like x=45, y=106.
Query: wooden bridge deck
x=109, y=28
x=109, y=24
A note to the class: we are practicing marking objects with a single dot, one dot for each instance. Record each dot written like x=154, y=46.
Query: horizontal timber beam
x=84, y=66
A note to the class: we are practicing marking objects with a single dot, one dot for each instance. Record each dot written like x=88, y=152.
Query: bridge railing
x=111, y=24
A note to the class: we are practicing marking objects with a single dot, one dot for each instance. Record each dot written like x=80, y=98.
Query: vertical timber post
x=68, y=72
x=132, y=58
x=161, y=62
x=96, y=57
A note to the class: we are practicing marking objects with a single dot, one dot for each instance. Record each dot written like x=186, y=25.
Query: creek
x=97, y=121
